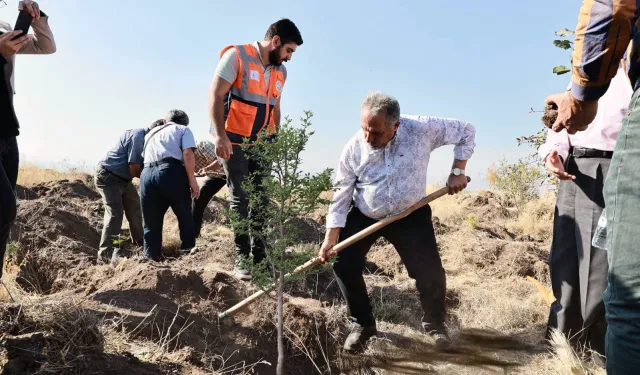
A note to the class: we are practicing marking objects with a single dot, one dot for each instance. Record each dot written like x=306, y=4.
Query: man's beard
x=274, y=56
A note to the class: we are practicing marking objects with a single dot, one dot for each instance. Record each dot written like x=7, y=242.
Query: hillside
x=65, y=314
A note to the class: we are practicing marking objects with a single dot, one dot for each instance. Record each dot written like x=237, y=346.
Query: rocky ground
x=64, y=314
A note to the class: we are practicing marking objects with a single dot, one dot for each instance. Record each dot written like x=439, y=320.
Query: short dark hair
x=155, y=123
x=286, y=30
x=177, y=116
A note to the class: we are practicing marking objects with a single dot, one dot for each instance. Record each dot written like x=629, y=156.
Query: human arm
x=135, y=170
x=41, y=42
x=554, y=151
x=10, y=47
x=601, y=38
x=276, y=113
x=441, y=131
x=344, y=185
x=189, y=159
x=223, y=79
x=190, y=165
x=134, y=157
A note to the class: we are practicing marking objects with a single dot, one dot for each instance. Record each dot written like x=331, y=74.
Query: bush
x=519, y=182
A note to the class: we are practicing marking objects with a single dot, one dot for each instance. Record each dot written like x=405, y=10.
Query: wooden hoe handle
x=341, y=246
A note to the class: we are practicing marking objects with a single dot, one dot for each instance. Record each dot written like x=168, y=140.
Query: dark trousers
x=209, y=188
x=161, y=187
x=237, y=168
x=579, y=270
x=9, y=160
x=415, y=241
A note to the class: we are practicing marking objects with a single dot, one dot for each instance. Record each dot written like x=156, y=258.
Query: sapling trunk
x=280, y=368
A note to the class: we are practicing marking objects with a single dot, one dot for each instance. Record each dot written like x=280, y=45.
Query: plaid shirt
x=603, y=33
x=205, y=155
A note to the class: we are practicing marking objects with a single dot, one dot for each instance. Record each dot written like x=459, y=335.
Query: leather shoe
x=358, y=337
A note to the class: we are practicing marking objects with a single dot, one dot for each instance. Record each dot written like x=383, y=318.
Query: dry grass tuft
x=501, y=304
x=31, y=174
x=536, y=220
x=52, y=338
x=566, y=361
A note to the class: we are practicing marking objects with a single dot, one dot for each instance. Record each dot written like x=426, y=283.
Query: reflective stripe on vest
x=249, y=103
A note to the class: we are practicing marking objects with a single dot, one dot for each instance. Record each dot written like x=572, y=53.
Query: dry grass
x=536, y=220
x=60, y=332
x=31, y=174
x=501, y=304
x=448, y=207
x=566, y=361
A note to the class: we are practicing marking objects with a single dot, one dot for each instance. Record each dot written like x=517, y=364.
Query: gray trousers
x=578, y=270
x=120, y=198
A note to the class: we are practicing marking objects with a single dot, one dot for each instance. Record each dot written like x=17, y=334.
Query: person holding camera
x=11, y=43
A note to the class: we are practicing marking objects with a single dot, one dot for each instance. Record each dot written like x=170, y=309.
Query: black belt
x=162, y=162
x=122, y=179
x=580, y=152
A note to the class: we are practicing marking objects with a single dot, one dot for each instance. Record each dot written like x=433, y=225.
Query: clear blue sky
x=122, y=64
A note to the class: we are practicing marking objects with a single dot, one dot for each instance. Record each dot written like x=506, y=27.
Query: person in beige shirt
x=40, y=42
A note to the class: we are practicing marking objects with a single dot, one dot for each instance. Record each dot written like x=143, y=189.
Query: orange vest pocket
x=241, y=118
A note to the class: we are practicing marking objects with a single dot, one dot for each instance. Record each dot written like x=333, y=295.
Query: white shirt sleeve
x=344, y=185
x=445, y=131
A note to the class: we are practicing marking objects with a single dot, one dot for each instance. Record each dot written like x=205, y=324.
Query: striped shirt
x=603, y=33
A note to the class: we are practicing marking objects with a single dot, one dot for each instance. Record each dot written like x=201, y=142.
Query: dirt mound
x=186, y=287
x=216, y=212
x=383, y=260
x=522, y=259
x=56, y=233
x=24, y=193
x=306, y=230
x=42, y=223
x=66, y=189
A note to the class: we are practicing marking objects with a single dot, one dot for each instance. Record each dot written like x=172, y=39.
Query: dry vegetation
x=73, y=316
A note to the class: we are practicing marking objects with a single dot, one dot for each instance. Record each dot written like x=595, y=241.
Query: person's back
x=127, y=149
x=167, y=141
x=168, y=180
x=113, y=180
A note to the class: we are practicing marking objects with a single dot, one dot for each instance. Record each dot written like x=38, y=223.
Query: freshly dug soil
x=550, y=115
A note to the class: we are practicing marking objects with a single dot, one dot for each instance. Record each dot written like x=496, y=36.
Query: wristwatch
x=457, y=171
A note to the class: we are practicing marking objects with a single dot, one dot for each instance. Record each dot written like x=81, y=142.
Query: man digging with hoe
x=382, y=172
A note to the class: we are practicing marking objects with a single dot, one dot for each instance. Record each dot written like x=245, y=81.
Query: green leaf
x=561, y=69
x=564, y=44
x=564, y=32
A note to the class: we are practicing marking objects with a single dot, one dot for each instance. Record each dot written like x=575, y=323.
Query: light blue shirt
x=169, y=142
x=127, y=150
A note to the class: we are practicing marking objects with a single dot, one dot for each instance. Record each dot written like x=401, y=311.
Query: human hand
x=9, y=47
x=195, y=189
x=554, y=165
x=456, y=183
x=326, y=250
x=573, y=114
x=30, y=6
x=223, y=147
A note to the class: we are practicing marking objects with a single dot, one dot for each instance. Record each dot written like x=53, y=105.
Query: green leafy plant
x=565, y=45
x=291, y=194
x=15, y=253
x=472, y=221
x=519, y=181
